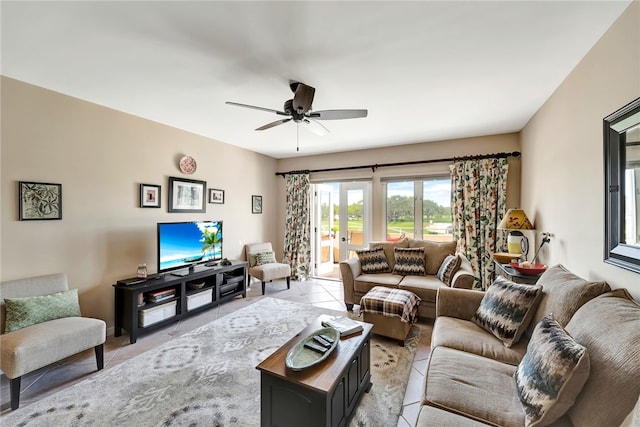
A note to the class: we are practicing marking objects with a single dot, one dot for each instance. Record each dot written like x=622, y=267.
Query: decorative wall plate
x=188, y=165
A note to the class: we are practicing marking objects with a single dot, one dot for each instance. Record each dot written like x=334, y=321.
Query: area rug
x=207, y=377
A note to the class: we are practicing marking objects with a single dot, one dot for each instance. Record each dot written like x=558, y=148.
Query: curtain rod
x=417, y=162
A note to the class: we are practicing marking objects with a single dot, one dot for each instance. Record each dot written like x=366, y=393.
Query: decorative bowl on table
x=528, y=269
x=300, y=357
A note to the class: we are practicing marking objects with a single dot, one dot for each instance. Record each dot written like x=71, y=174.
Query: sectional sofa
x=425, y=284
x=576, y=363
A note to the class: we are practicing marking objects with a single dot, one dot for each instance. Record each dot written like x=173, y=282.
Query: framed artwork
x=39, y=200
x=216, y=196
x=149, y=196
x=186, y=195
x=256, y=204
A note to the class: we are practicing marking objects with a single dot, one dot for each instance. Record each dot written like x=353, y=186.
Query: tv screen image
x=184, y=244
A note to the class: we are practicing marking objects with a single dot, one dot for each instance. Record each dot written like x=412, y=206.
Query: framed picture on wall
x=186, y=195
x=39, y=201
x=256, y=204
x=216, y=196
x=149, y=196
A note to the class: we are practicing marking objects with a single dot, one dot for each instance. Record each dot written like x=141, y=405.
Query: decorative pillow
x=27, y=311
x=409, y=261
x=252, y=258
x=449, y=266
x=266, y=257
x=506, y=309
x=373, y=261
x=551, y=373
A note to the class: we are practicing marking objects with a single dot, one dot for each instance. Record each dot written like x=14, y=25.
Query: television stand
x=142, y=307
x=182, y=273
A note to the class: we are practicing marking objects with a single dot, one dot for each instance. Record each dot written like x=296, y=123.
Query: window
x=419, y=208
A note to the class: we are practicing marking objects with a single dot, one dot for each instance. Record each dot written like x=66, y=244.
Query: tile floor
x=321, y=293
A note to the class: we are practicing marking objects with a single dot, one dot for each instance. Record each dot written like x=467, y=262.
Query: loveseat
x=577, y=362
x=457, y=271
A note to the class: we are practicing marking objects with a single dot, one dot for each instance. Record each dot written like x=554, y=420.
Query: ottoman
x=391, y=311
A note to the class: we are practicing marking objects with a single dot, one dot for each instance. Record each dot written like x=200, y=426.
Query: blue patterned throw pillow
x=373, y=261
x=507, y=308
x=551, y=373
x=409, y=261
x=449, y=266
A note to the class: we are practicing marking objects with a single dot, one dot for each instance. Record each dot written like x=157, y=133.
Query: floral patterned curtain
x=297, y=240
x=479, y=197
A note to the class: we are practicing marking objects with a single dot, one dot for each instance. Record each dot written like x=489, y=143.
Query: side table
x=508, y=272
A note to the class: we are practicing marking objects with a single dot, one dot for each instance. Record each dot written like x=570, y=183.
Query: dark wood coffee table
x=322, y=395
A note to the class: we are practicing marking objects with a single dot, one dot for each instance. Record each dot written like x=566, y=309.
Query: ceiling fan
x=299, y=110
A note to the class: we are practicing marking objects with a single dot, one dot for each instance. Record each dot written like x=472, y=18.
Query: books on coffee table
x=343, y=324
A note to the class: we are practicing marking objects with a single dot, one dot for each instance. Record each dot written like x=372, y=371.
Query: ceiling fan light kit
x=299, y=110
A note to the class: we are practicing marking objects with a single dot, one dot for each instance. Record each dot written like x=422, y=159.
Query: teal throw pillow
x=507, y=308
x=266, y=257
x=551, y=374
x=27, y=311
x=373, y=260
x=409, y=261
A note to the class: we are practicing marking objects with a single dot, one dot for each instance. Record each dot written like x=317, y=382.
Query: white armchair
x=269, y=271
x=32, y=347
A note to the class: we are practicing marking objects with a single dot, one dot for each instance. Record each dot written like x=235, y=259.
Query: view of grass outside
x=435, y=219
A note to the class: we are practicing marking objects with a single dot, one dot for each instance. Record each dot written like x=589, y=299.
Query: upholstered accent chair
x=27, y=347
x=263, y=264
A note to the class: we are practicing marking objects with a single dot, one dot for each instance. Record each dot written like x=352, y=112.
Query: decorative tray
x=301, y=357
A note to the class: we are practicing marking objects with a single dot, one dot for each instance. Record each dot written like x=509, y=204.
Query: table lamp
x=514, y=221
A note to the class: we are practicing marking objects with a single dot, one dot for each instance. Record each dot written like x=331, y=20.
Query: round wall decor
x=188, y=165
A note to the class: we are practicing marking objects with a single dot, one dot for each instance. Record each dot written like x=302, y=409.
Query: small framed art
x=256, y=204
x=216, y=196
x=39, y=200
x=186, y=195
x=149, y=196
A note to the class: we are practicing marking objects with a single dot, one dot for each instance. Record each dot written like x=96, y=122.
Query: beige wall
x=100, y=156
x=562, y=164
x=405, y=153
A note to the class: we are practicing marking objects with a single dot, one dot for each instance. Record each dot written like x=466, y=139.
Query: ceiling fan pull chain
x=297, y=137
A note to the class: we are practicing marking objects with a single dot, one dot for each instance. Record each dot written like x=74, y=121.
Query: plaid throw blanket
x=391, y=303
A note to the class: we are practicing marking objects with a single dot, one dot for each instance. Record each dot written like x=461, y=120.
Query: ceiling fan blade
x=270, y=110
x=337, y=114
x=316, y=127
x=272, y=124
x=303, y=97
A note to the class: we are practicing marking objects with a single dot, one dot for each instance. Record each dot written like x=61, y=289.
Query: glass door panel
x=324, y=230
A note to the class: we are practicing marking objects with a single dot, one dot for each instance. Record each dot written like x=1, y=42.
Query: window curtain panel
x=478, y=202
x=297, y=240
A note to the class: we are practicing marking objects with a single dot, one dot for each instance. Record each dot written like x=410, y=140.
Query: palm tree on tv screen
x=209, y=240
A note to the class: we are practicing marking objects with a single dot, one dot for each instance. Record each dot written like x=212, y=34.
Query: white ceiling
x=425, y=70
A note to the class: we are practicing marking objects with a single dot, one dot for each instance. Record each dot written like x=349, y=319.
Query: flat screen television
x=186, y=244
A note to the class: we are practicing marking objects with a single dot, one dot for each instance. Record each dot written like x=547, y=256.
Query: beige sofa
x=356, y=283
x=470, y=375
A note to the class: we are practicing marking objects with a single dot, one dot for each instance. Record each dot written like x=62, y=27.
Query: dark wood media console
x=202, y=289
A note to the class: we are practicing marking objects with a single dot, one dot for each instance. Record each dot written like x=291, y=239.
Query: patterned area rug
x=207, y=377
